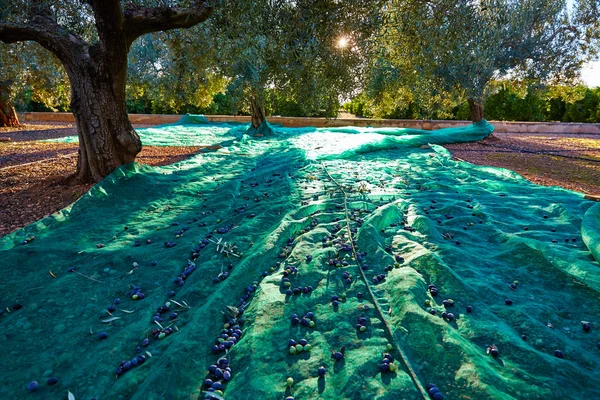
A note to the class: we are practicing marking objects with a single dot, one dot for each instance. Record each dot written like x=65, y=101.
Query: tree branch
x=140, y=20
x=109, y=21
x=44, y=30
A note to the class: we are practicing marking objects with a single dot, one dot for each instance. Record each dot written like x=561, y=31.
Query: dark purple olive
x=17, y=306
x=102, y=335
x=322, y=371
x=469, y=309
x=217, y=386
x=586, y=326
x=508, y=302
x=33, y=386
x=223, y=362
x=559, y=354
x=52, y=381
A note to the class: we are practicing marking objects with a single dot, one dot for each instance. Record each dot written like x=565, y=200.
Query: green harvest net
x=262, y=212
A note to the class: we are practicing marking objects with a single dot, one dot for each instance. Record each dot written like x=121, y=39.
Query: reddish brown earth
x=570, y=161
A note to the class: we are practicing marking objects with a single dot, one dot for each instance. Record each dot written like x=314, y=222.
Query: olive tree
x=92, y=40
x=465, y=44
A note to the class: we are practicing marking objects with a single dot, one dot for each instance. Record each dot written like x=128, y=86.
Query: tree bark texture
x=106, y=137
x=8, y=115
x=476, y=107
x=98, y=72
x=258, y=112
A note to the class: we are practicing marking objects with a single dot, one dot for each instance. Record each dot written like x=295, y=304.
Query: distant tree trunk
x=476, y=107
x=258, y=112
x=8, y=115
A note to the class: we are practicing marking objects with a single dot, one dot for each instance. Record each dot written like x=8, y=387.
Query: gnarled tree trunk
x=106, y=137
x=8, y=115
x=476, y=107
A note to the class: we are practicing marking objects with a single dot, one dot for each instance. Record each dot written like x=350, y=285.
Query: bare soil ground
x=32, y=172
x=567, y=160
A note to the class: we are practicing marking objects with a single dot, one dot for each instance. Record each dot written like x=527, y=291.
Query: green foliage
x=409, y=59
x=361, y=106
x=460, y=46
x=587, y=18
x=293, y=48
x=33, y=78
x=509, y=101
x=586, y=109
x=165, y=77
x=506, y=105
